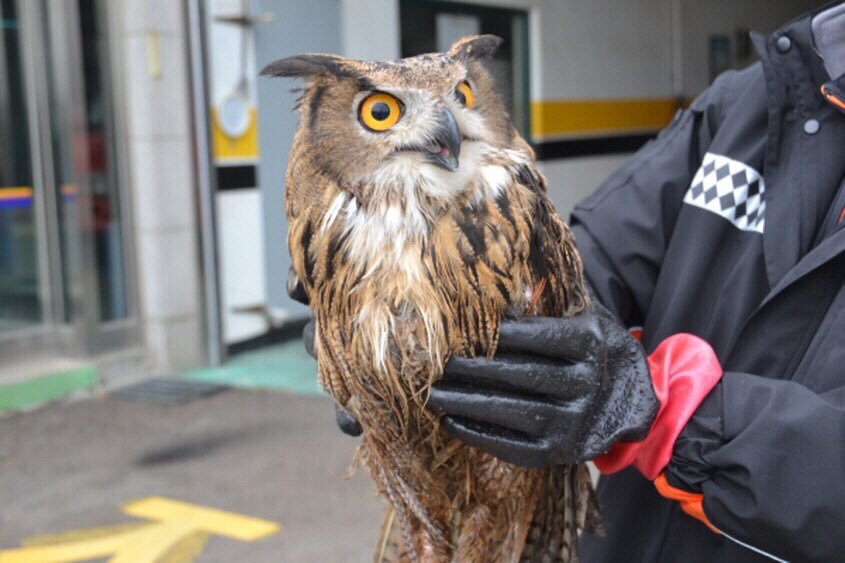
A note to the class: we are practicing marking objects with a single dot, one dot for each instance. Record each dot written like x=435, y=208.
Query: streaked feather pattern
x=388, y=318
x=406, y=264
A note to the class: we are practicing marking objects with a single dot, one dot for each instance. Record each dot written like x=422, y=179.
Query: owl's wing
x=553, y=258
x=308, y=197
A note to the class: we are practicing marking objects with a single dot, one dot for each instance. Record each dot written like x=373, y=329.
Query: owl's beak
x=446, y=147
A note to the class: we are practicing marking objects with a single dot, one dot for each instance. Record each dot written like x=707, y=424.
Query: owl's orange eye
x=380, y=111
x=465, y=95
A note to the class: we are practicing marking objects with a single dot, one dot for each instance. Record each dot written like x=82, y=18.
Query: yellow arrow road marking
x=74, y=535
x=236, y=526
x=171, y=523
x=136, y=546
x=151, y=548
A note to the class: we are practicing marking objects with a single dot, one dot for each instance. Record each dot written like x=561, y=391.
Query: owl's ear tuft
x=309, y=65
x=474, y=47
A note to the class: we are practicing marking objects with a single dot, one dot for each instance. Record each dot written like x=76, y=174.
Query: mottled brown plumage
x=406, y=263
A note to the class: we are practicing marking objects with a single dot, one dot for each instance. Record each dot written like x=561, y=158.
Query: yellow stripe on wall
x=582, y=118
x=20, y=192
x=15, y=192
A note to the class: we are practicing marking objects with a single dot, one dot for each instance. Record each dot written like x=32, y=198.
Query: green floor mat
x=283, y=366
x=40, y=390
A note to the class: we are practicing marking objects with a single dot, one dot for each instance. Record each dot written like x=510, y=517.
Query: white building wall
x=370, y=29
x=599, y=49
x=155, y=73
x=573, y=179
x=605, y=49
x=700, y=19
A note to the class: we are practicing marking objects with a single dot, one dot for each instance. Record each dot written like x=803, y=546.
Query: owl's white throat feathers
x=406, y=195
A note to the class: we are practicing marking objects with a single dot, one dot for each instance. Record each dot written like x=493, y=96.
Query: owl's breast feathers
x=411, y=278
x=399, y=282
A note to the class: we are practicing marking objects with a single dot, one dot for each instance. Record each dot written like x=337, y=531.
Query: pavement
x=73, y=472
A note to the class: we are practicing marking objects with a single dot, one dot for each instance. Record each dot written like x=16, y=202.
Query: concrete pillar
x=155, y=74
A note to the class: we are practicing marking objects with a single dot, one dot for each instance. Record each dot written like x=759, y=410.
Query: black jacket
x=730, y=226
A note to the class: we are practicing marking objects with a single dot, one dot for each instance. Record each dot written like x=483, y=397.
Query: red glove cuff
x=684, y=369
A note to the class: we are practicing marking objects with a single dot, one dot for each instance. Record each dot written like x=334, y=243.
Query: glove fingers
x=346, y=422
x=509, y=447
x=573, y=338
x=529, y=416
x=296, y=290
x=535, y=375
x=308, y=334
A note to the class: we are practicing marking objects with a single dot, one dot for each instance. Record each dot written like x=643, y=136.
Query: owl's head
x=428, y=116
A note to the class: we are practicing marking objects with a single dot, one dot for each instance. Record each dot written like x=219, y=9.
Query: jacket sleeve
x=769, y=457
x=622, y=230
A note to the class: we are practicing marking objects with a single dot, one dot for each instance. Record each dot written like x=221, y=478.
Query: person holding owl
x=724, y=240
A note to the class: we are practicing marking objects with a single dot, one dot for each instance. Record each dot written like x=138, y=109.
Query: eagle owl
x=417, y=222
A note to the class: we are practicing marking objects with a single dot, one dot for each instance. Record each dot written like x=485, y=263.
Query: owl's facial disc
x=444, y=149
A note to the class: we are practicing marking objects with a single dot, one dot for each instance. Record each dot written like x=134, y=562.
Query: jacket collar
x=799, y=69
x=794, y=77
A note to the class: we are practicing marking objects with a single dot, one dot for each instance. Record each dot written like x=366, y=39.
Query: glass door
x=100, y=164
x=21, y=268
x=65, y=265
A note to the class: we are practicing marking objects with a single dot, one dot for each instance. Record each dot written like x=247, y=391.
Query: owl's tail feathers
x=593, y=523
x=391, y=545
x=473, y=542
x=423, y=526
x=568, y=507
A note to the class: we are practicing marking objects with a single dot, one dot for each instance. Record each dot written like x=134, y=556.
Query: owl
x=417, y=222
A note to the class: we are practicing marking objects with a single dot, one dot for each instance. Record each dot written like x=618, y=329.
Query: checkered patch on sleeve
x=731, y=189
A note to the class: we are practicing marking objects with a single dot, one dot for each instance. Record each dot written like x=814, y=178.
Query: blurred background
x=143, y=253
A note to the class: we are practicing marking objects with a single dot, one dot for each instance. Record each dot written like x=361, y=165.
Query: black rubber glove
x=345, y=421
x=558, y=391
